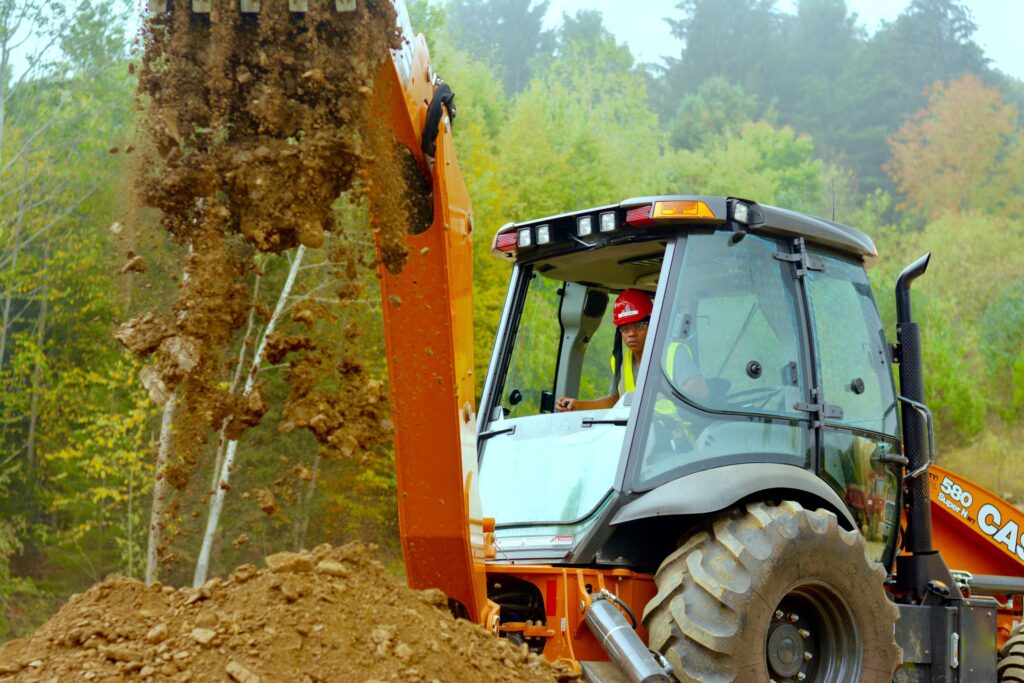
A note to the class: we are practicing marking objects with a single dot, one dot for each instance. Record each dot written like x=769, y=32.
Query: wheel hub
x=785, y=650
x=790, y=648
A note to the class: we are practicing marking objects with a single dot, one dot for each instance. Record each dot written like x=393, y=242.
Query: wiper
x=590, y=422
x=495, y=432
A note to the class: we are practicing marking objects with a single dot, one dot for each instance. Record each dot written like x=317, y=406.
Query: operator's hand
x=565, y=405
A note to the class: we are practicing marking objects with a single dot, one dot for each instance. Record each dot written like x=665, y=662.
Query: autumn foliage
x=962, y=152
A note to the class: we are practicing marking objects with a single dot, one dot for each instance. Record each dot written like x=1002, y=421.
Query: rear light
x=525, y=238
x=505, y=241
x=640, y=215
x=667, y=210
x=607, y=221
x=584, y=226
x=543, y=234
x=685, y=208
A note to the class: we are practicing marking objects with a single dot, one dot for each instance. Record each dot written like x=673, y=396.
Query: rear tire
x=1011, y=658
x=769, y=592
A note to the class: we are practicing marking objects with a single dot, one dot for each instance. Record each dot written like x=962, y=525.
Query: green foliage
x=951, y=372
x=1003, y=322
x=547, y=122
x=100, y=477
x=819, y=71
x=718, y=108
x=508, y=33
x=775, y=165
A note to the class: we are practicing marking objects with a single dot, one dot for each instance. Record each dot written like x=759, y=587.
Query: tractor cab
x=765, y=373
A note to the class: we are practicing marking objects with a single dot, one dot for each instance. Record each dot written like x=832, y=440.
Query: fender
x=721, y=487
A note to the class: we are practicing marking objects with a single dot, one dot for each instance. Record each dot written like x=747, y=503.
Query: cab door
x=859, y=420
x=729, y=367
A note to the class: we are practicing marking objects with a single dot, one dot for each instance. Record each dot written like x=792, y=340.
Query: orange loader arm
x=979, y=533
x=976, y=530
x=428, y=324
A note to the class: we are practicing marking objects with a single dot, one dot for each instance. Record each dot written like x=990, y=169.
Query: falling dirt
x=255, y=126
x=332, y=614
x=252, y=128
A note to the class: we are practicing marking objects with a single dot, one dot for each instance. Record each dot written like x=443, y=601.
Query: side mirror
x=547, y=402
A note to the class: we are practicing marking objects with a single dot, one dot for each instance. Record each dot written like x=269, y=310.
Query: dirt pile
x=332, y=614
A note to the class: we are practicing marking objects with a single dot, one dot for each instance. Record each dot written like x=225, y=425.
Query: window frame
x=653, y=380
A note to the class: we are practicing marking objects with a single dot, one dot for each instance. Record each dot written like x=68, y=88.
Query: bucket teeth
x=251, y=6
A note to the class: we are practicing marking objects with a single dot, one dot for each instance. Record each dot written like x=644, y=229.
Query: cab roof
x=642, y=218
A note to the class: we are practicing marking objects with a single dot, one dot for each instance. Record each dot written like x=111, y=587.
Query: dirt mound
x=332, y=614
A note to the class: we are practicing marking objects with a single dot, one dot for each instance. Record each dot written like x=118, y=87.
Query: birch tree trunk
x=156, y=513
x=219, y=491
x=239, y=364
x=160, y=490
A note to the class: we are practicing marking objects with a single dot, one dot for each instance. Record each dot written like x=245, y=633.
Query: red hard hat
x=631, y=306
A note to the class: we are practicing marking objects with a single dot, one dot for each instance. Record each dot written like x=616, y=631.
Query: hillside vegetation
x=907, y=133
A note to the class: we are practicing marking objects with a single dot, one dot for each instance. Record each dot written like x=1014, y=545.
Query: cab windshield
x=539, y=466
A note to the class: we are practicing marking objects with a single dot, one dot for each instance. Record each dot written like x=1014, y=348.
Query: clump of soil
x=332, y=614
x=255, y=126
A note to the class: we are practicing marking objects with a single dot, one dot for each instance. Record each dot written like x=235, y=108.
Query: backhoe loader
x=776, y=527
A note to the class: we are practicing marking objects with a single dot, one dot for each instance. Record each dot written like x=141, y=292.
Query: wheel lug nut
x=804, y=633
x=808, y=656
x=779, y=614
x=794, y=617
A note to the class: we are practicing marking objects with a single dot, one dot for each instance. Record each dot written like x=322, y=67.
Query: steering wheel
x=758, y=397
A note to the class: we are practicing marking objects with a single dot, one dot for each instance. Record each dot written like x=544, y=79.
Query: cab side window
x=851, y=352
x=531, y=368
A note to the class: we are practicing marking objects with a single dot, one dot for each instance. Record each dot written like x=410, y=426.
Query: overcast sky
x=639, y=23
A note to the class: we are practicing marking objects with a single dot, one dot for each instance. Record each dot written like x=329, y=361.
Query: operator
x=632, y=315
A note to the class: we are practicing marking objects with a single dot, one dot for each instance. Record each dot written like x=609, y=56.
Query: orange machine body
x=979, y=533
x=566, y=592
x=429, y=340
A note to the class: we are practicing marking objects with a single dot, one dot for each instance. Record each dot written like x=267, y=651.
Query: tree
x=951, y=156
x=771, y=165
x=1002, y=326
x=583, y=38
x=717, y=108
x=508, y=33
x=731, y=39
x=931, y=40
x=808, y=86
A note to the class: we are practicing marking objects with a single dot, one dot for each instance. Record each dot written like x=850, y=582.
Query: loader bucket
x=250, y=6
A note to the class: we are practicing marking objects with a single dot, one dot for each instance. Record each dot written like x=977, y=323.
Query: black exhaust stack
x=915, y=435
x=914, y=572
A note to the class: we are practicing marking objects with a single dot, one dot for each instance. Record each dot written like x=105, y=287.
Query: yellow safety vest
x=663, y=406
x=628, y=381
